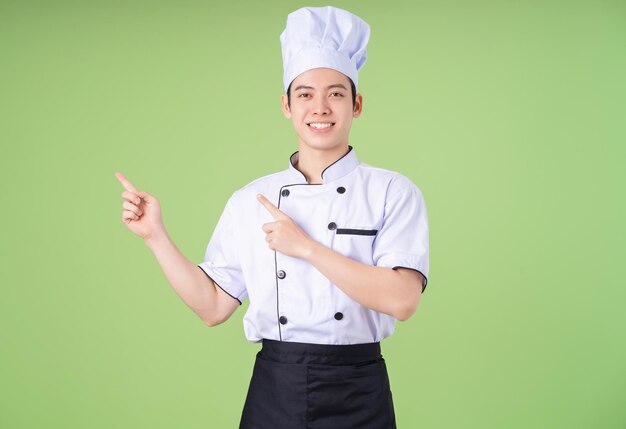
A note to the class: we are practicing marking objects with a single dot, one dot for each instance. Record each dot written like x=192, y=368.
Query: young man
x=330, y=252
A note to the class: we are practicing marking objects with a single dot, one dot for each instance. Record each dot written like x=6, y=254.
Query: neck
x=311, y=162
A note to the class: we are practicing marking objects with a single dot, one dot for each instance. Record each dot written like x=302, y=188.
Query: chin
x=321, y=144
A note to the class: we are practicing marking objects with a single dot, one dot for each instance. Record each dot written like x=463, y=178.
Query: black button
x=332, y=226
x=341, y=189
x=339, y=315
x=285, y=193
x=282, y=320
x=281, y=274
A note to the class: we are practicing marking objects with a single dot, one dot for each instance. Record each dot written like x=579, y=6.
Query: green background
x=509, y=116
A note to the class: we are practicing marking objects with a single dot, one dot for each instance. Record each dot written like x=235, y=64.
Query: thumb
x=146, y=196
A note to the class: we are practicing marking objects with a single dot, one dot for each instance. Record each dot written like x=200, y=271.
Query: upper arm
x=402, y=240
x=221, y=259
x=226, y=305
x=413, y=276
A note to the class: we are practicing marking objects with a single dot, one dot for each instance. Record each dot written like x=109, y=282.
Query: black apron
x=315, y=386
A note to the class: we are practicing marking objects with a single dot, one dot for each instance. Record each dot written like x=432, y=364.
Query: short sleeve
x=221, y=260
x=402, y=240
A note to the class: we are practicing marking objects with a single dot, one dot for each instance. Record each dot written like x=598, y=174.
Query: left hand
x=284, y=235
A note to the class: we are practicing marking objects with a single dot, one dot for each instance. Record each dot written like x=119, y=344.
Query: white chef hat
x=323, y=37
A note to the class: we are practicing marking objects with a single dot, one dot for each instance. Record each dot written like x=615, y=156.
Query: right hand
x=142, y=211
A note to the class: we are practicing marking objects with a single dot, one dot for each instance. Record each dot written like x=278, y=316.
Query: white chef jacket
x=372, y=215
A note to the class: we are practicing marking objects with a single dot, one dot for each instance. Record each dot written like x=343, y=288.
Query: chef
x=330, y=251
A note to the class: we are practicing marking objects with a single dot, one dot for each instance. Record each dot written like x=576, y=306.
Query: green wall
x=508, y=115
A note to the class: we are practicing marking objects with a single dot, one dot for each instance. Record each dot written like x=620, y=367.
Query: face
x=321, y=108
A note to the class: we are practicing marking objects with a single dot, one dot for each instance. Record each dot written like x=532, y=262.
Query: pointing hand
x=284, y=235
x=142, y=211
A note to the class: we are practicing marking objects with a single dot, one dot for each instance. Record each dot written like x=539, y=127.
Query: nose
x=321, y=106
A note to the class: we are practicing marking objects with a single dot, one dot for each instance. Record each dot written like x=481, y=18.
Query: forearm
x=378, y=288
x=186, y=278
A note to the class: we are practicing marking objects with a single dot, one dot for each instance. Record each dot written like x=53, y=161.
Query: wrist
x=310, y=250
x=156, y=238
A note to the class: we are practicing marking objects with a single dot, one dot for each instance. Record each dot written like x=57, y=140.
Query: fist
x=284, y=235
x=141, y=211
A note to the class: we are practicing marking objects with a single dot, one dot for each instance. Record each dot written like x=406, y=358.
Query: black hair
x=352, y=87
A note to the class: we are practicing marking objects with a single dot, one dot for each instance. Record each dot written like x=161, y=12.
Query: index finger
x=274, y=211
x=125, y=182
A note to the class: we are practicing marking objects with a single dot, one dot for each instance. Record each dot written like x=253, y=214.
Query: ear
x=358, y=105
x=285, y=106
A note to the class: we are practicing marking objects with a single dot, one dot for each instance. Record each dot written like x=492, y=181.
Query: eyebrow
x=334, y=85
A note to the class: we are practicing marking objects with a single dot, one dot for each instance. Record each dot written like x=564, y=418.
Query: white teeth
x=318, y=125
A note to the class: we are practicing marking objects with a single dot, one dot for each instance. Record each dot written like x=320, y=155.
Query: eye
x=303, y=95
x=336, y=94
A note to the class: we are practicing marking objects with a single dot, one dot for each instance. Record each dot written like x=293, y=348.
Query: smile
x=321, y=125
